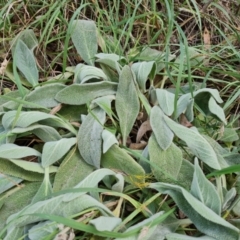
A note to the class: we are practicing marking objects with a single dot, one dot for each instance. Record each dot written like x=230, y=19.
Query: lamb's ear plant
x=80, y=162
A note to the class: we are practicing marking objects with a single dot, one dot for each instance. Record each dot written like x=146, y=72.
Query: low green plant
x=80, y=162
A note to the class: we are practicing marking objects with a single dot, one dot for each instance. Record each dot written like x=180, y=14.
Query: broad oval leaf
x=213, y=92
x=104, y=103
x=196, y=142
x=215, y=109
x=149, y=54
x=108, y=140
x=92, y=181
x=165, y=101
x=17, y=200
x=42, y=230
x=185, y=174
x=55, y=206
x=127, y=102
x=143, y=71
x=103, y=223
x=118, y=160
x=7, y=182
x=165, y=164
x=10, y=150
x=206, y=220
x=54, y=151
x=26, y=63
x=28, y=37
x=112, y=75
x=24, y=119
x=84, y=37
x=44, y=96
x=84, y=73
x=110, y=65
x=204, y=190
x=12, y=169
x=183, y=103
x=78, y=94
x=72, y=170
x=32, y=166
x=162, y=132
x=229, y=135
x=45, y=133
x=90, y=137
x=219, y=151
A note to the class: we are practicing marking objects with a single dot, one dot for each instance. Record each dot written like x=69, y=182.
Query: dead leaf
x=63, y=236
x=143, y=233
x=181, y=214
x=143, y=129
x=140, y=116
x=184, y=121
x=138, y=146
x=76, y=124
x=206, y=39
x=56, y=109
x=207, y=44
x=3, y=66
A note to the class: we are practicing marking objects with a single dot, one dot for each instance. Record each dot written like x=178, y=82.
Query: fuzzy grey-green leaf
x=12, y=169
x=54, y=151
x=28, y=37
x=118, y=160
x=24, y=119
x=32, y=166
x=44, y=96
x=213, y=92
x=10, y=150
x=92, y=181
x=7, y=181
x=26, y=63
x=55, y=205
x=84, y=73
x=165, y=164
x=84, y=37
x=204, y=190
x=206, y=220
x=127, y=102
x=78, y=94
x=103, y=223
x=229, y=135
x=17, y=200
x=196, y=142
x=165, y=101
x=72, y=170
x=45, y=133
x=90, y=137
x=108, y=140
x=144, y=70
x=162, y=132
x=215, y=109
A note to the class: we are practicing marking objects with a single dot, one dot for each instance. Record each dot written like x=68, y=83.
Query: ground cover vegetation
x=119, y=120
